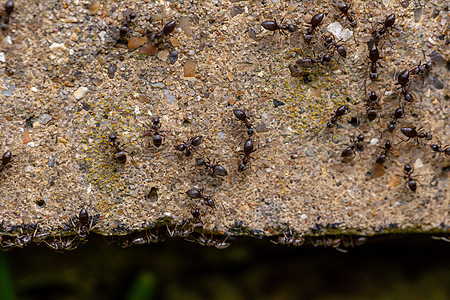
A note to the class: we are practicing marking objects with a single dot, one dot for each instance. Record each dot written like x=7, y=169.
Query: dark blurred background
x=400, y=267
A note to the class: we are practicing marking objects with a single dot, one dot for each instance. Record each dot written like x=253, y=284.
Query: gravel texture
x=68, y=79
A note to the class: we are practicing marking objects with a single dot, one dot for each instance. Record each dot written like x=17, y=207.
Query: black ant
x=214, y=168
x=402, y=81
x=290, y=239
x=316, y=20
x=398, y=114
x=128, y=16
x=9, y=7
x=357, y=144
x=210, y=242
x=156, y=38
x=374, y=56
x=340, y=111
x=388, y=22
x=6, y=159
x=411, y=133
x=84, y=223
x=248, y=149
x=330, y=42
x=119, y=152
x=240, y=114
x=196, y=194
x=145, y=237
x=187, y=147
x=439, y=149
x=344, y=8
x=372, y=104
x=410, y=183
x=273, y=26
x=381, y=159
x=310, y=62
x=195, y=212
x=157, y=137
x=422, y=69
x=64, y=244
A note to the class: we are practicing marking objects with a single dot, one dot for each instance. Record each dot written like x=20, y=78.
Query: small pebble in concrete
x=162, y=55
x=341, y=33
x=236, y=11
x=418, y=164
x=57, y=46
x=277, y=103
x=437, y=83
x=309, y=152
x=189, y=68
x=80, y=92
x=52, y=162
x=2, y=57
x=169, y=98
x=112, y=71
x=173, y=57
x=44, y=119
x=9, y=91
x=374, y=141
x=159, y=85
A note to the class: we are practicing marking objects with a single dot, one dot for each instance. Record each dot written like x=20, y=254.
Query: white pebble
x=80, y=92
x=418, y=164
x=34, y=90
x=304, y=216
x=8, y=40
x=374, y=141
x=56, y=47
x=2, y=57
x=137, y=110
x=342, y=34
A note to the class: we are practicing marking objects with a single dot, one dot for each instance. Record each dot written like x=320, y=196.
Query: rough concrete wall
x=69, y=80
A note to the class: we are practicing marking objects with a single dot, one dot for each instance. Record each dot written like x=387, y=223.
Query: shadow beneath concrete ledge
x=399, y=267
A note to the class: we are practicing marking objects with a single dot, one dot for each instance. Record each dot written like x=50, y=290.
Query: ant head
x=210, y=202
x=9, y=6
x=388, y=145
x=123, y=31
x=156, y=121
x=373, y=96
x=196, y=212
x=434, y=147
x=328, y=39
x=428, y=136
x=360, y=137
x=408, y=169
x=307, y=37
x=242, y=167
